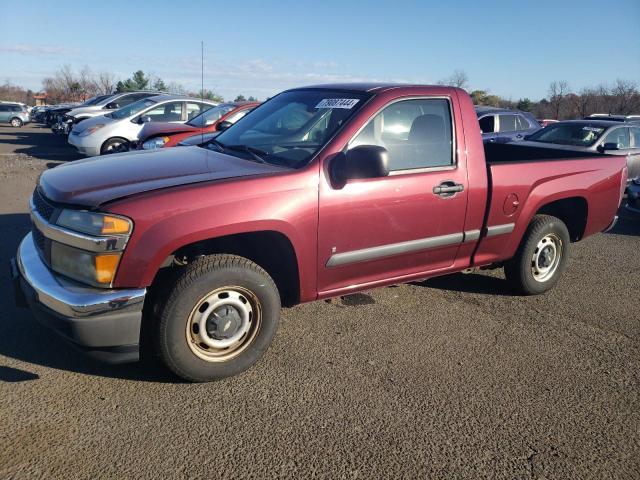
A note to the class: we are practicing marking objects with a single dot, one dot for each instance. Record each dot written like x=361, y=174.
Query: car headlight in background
x=636, y=181
x=95, y=268
x=156, y=142
x=91, y=130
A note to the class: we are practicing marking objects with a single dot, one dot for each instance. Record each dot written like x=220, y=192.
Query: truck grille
x=44, y=208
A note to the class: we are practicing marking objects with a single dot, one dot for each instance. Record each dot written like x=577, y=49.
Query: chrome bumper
x=101, y=321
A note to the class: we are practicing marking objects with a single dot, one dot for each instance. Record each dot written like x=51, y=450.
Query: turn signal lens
x=106, y=266
x=114, y=225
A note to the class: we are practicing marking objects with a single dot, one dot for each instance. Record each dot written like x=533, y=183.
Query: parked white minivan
x=113, y=132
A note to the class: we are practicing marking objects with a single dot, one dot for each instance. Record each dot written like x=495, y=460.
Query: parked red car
x=546, y=121
x=320, y=192
x=163, y=135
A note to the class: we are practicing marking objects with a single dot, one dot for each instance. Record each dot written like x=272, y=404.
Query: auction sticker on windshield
x=347, y=103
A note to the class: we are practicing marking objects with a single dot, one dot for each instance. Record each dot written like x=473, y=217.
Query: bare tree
x=557, y=93
x=625, y=97
x=458, y=78
x=105, y=83
x=87, y=83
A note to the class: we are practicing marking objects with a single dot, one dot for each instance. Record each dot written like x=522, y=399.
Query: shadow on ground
x=39, y=143
x=469, y=283
x=22, y=338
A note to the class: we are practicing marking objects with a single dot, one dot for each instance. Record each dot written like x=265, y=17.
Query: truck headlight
x=157, y=142
x=98, y=269
x=93, y=223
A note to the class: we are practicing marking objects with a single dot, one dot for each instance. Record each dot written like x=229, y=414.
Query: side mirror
x=222, y=126
x=364, y=161
x=608, y=146
x=113, y=106
x=144, y=119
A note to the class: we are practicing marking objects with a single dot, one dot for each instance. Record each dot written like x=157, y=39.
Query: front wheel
x=16, y=122
x=541, y=257
x=114, y=145
x=220, y=317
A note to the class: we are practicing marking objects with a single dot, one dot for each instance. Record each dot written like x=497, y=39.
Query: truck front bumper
x=103, y=323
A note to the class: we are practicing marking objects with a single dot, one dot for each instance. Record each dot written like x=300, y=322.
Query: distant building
x=40, y=99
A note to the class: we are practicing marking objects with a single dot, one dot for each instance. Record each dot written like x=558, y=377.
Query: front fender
x=169, y=219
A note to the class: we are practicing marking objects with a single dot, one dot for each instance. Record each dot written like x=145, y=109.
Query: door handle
x=448, y=188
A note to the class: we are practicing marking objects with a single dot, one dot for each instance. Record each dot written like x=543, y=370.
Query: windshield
x=132, y=109
x=291, y=127
x=211, y=116
x=577, y=134
x=94, y=100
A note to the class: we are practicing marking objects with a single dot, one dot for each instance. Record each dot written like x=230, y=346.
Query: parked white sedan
x=113, y=132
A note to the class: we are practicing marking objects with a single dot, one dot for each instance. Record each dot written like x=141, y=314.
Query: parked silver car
x=112, y=133
x=14, y=114
x=107, y=103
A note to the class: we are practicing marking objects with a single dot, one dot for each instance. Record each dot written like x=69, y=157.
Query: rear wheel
x=114, y=145
x=541, y=257
x=220, y=317
x=16, y=122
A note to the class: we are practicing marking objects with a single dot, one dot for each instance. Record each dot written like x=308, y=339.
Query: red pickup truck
x=319, y=192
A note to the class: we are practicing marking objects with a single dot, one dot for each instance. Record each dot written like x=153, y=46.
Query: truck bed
x=512, y=152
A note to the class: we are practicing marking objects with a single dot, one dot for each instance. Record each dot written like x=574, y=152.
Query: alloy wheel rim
x=223, y=323
x=546, y=257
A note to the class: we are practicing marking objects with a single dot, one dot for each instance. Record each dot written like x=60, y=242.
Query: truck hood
x=154, y=129
x=95, y=181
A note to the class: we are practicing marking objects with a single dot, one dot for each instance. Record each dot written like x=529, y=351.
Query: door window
x=233, y=118
x=166, y=112
x=619, y=136
x=195, y=109
x=487, y=124
x=507, y=123
x=522, y=123
x=416, y=133
x=635, y=137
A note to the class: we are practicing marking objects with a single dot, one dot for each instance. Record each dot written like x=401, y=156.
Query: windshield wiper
x=220, y=146
x=255, y=153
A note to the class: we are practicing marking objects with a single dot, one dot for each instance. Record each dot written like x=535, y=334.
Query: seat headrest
x=427, y=128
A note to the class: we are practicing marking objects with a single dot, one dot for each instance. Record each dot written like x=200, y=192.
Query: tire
x=217, y=292
x=16, y=122
x=114, y=145
x=541, y=257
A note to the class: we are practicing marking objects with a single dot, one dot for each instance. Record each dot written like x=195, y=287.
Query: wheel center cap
x=224, y=322
x=546, y=257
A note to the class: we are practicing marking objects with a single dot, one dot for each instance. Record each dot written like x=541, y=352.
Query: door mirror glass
x=364, y=161
x=609, y=146
x=144, y=119
x=113, y=106
x=222, y=126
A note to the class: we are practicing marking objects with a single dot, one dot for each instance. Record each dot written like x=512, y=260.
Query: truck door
x=408, y=222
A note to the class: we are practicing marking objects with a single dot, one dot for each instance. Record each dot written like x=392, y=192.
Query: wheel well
x=271, y=250
x=572, y=211
x=112, y=138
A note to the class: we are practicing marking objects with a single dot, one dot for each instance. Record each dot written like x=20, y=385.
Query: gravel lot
x=450, y=378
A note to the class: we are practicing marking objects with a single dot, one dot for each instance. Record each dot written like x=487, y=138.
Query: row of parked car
x=140, y=120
